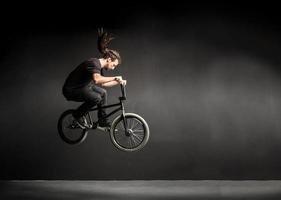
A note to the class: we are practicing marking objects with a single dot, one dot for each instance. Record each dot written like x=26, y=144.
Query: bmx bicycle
x=128, y=131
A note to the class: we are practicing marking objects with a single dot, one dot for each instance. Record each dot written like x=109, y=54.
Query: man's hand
x=118, y=78
x=123, y=82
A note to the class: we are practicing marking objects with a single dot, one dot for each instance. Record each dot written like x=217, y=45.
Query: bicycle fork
x=124, y=120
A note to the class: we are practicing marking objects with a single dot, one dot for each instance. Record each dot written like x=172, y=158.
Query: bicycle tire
x=117, y=142
x=81, y=133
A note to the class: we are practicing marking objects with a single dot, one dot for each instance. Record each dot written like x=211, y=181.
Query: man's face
x=111, y=64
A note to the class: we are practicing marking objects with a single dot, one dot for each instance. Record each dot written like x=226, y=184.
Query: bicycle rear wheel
x=68, y=129
x=136, y=137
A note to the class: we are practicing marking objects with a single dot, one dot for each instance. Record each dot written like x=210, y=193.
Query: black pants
x=91, y=95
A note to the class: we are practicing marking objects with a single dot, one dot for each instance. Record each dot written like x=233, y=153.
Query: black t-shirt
x=83, y=74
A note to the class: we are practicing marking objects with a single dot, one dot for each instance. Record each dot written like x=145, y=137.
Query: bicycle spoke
x=119, y=127
x=118, y=132
x=133, y=123
x=124, y=124
x=70, y=120
x=118, y=135
x=128, y=142
x=133, y=140
x=128, y=123
x=120, y=139
x=138, y=131
x=137, y=137
x=124, y=140
x=136, y=124
x=70, y=130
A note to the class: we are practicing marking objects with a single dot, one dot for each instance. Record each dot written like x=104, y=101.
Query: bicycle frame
x=120, y=108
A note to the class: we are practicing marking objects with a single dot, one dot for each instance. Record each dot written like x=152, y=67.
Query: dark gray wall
x=207, y=80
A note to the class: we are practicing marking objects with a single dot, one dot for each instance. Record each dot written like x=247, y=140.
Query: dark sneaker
x=81, y=122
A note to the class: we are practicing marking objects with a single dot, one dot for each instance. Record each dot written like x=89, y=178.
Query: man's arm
x=110, y=83
x=99, y=79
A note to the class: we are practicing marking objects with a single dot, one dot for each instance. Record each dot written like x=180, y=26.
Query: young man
x=85, y=82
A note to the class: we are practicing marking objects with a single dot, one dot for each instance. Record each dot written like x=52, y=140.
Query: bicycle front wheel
x=137, y=134
x=68, y=129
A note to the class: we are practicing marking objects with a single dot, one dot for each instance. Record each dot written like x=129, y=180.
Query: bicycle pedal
x=78, y=125
x=105, y=129
x=89, y=126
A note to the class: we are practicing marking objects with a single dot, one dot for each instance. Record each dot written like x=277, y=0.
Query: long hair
x=104, y=39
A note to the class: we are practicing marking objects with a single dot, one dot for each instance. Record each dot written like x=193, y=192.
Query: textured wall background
x=206, y=78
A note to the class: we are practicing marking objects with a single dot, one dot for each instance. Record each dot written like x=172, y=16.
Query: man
x=85, y=82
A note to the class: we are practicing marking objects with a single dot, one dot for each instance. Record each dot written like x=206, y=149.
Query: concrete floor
x=86, y=190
